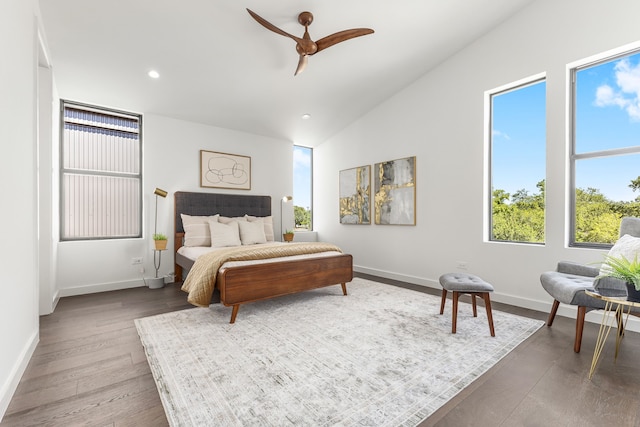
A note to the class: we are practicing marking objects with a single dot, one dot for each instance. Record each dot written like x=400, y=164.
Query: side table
x=622, y=308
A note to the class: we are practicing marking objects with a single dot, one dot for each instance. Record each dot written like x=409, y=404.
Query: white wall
x=18, y=257
x=440, y=119
x=171, y=161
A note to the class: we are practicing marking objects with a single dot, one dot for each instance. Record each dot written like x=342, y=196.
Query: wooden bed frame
x=240, y=285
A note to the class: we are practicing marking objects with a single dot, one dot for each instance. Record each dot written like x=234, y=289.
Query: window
x=303, y=187
x=101, y=181
x=517, y=135
x=605, y=154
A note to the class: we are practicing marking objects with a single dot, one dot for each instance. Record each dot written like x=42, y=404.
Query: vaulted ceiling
x=218, y=66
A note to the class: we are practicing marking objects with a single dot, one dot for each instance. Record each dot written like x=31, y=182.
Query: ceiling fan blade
x=302, y=64
x=270, y=26
x=341, y=36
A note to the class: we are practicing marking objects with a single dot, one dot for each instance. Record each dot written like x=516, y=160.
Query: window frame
x=489, y=96
x=310, y=187
x=574, y=157
x=64, y=103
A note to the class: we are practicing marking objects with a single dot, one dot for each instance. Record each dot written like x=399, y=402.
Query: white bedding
x=193, y=252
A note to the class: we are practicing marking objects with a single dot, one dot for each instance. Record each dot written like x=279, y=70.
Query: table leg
x=603, y=333
x=622, y=325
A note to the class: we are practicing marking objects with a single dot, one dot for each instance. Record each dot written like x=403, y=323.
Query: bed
x=241, y=282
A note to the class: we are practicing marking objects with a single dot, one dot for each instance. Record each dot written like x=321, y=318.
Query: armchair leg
x=579, y=327
x=552, y=314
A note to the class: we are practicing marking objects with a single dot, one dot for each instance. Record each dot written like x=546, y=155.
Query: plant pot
x=161, y=245
x=287, y=237
x=632, y=293
x=155, y=283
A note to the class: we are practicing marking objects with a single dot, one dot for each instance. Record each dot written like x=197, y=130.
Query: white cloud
x=498, y=134
x=301, y=158
x=627, y=94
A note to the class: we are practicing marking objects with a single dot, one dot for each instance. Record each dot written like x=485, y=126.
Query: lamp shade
x=160, y=192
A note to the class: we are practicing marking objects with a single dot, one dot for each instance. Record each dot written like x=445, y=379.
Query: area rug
x=380, y=356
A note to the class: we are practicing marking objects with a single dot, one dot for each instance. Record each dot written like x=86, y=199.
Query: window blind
x=101, y=173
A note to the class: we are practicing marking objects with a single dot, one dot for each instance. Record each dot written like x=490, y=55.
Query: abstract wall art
x=223, y=170
x=355, y=195
x=395, y=192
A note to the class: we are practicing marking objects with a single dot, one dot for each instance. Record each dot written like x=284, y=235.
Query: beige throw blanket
x=201, y=279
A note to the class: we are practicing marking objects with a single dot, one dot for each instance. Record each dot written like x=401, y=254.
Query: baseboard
x=10, y=386
x=397, y=276
x=100, y=287
x=564, y=310
x=56, y=300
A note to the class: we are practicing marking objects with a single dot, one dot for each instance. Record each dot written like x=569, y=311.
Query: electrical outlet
x=462, y=265
x=136, y=261
x=141, y=270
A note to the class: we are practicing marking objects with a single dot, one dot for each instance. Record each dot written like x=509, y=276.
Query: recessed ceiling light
x=306, y=116
x=153, y=74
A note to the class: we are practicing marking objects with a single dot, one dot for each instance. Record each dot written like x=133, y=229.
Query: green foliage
x=635, y=184
x=520, y=217
x=302, y=217
x=623, y=269
x=159, y=236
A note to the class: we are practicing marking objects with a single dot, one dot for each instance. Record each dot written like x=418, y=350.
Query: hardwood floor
x=90, y=369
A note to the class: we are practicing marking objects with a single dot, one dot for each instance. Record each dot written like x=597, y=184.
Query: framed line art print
x=395, y=192
x=224, y=170
x=355, y=195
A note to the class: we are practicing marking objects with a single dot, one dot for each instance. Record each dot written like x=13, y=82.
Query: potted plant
x=160, y=241
x=625, y=270
x=287, y=236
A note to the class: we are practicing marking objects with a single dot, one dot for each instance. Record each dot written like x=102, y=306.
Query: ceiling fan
x=305, y=46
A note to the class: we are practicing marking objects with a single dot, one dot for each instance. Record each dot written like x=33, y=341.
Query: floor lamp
x=157, y=282
x=284, y=200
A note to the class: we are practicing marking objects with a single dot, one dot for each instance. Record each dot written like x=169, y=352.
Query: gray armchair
x=567, y=284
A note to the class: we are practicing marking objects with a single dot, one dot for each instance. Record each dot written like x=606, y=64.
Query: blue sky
x=301, y=176
x=608, y=116
x=519, y=135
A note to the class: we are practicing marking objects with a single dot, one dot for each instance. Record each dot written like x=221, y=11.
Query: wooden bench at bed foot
x=236, y=307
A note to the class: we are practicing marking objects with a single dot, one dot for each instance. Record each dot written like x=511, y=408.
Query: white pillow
x=626, y=246
x=227, y=220
x=196, y=229
x=268, y=225
x=252, y=233
x=224, y=234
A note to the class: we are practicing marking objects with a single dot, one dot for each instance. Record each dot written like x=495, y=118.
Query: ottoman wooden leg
x=454, y=319
x=487, y=303
x=473, y=304
x=444, y=299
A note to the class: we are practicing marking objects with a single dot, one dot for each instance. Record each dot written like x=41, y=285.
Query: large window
x=100, y=173
x=517, y=155
x=303, y=187
x=605, y=160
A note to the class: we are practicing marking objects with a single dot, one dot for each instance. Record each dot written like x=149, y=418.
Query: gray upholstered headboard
x=231, y=205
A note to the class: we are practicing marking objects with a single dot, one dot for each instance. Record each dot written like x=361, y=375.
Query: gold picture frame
x=224, y=170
